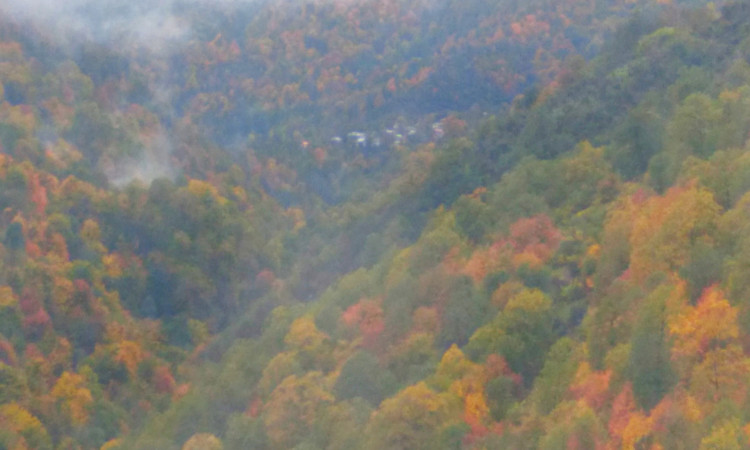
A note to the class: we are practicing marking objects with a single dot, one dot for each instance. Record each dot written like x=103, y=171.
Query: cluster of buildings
x=394, y=136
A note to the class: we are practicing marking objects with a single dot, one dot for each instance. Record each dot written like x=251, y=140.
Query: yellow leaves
x=7, y=297
x=475, y=408
x=111, y=444
x=505, y=292
x=412, y=402
x=712, y=319
x=113, y=265
x=725, y=435
x=453, y=366
x=304, y=335
x=588, y=161
x=665, y=227
x=240, y=194
x=408, y=419
x=62, y=293
x=593, y=250
x=199, y=333
x=74, y=397
x=532, y=300
x=21, y=430
x=399, y=266
x=17, y=418
x=280, y=367
x=91, y=235
x=466, y=380
x=638, y=427
x=20, y=116
x=722, y=374
x=298, y=216
x=691, y=409
x=203, y=441
x=293, y=406
x=527, y=258
x=203, y=189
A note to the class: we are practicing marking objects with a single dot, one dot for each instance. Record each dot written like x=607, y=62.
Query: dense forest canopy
x=374, y=224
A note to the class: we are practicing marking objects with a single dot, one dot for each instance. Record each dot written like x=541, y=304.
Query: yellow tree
x=707, y=345
x=73, y=397
x=409, y=420
x=666, y=227
x=293, y=407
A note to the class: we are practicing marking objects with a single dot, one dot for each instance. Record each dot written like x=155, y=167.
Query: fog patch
x=153, y=162
x=118, y=24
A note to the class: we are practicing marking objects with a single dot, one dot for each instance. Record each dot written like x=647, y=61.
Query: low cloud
x=152, y=164
x=141, y=24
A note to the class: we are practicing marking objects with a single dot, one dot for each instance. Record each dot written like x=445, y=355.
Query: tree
x=556, y=375
x=693, y=129
x=409, y=420
x=363, y=376
x=73, y=397
x=666, y=227
x=463, y=312
x=650, y=368
x=292, y=408
x=521, y=333
x=203, y=441
x=14, y=238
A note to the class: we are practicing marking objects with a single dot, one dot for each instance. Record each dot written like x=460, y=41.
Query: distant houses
x=395, y=136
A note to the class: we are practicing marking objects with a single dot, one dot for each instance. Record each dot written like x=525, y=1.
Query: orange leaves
x=130, y=354
x=37, y=193
x=320, y=154
x=480, y=263
x=367, y=316
x=163, y=380
x=622, y=410
x=419, y=77
x=391, y=86
x=534, y=239
x=475, y=411
x=454, y=128
x=36, y=317
x=591, y=386
x=529, y=26
x=711, y=321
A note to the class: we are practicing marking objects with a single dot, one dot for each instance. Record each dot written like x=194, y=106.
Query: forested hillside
x=375, y=224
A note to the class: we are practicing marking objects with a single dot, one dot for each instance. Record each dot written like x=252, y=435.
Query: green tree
x=650, y=366
x=363, y=376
